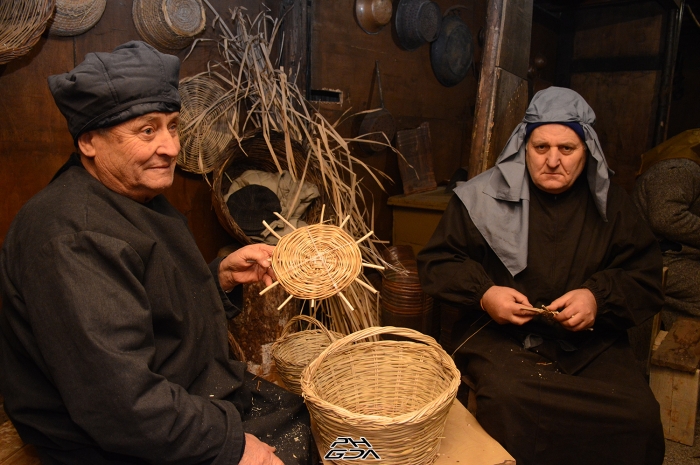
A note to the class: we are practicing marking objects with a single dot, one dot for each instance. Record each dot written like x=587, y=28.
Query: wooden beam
x=505, y=56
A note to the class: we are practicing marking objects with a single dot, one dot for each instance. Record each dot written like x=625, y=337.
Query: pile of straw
x=21, y=24
x=263, y=99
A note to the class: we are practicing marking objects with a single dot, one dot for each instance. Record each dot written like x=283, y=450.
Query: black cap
x=109, y=88
x=252, y=204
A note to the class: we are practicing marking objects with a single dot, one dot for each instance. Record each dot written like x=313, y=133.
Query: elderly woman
x=545, y=227
x=113, y=327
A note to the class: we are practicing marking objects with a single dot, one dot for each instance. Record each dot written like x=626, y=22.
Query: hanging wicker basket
x=395, y=394
x=293, y=352
x=169, y=24
x=21, y=24
x=252, y=153
x=74, y=17
x=204, y=119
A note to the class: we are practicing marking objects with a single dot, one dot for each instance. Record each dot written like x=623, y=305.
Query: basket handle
x=377, y=330
x=308, y=319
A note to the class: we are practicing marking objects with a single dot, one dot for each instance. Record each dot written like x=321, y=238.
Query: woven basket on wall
x=203, y=144
x=293, y=352
x=395, y=394
x=21, y=24
x=74, y=17
x=253, y=154
x=169, y=24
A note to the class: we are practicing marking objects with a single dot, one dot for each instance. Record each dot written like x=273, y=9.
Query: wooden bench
x=12, y=450
x=465, y=442
x=674, y=378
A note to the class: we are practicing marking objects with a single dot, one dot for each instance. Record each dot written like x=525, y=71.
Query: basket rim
x=309, y=393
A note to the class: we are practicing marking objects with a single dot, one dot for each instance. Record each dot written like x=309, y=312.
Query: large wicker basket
x=169, y=24
x=293, y=352
x=252, y=153
x=21, y=24
x=203, y=142
x=393, y=393
x=74, y=17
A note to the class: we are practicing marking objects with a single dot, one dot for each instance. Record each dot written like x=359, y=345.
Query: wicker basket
x=169, y=24
x=21, y=24
x=203, y=144
x=293, y=352
x=253, y=154
x=394, y=393
x=74, y=17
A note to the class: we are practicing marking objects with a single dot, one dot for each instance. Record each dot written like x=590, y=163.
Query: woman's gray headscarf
x=498, y=199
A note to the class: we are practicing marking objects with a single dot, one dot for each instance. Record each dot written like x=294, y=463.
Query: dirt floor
x=680, y=454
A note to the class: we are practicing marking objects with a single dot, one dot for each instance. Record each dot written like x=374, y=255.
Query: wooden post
x=502, y=96
x=295, y=54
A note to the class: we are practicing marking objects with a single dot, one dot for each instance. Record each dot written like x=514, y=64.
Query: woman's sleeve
x=449, y=265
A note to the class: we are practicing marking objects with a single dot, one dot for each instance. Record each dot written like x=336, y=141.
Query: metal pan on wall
x=452, y=53
x=417, y=22
x=372, y=15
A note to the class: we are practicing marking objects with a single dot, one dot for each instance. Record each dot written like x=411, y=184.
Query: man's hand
x=248, y=264
x=503, y=305
x=577, y=309
x=257, y=452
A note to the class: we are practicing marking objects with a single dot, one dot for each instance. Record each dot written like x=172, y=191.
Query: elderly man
x=551, y=264
x=113, y=343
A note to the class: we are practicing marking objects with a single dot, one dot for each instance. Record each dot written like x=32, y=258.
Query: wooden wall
x=343, y=58
x=613, y=56
x=685, y=101
x=34, y=140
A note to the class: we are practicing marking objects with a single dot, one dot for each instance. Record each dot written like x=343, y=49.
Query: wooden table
x=465, y=442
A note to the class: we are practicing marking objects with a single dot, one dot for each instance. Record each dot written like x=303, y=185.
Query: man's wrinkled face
x=135, y=158
x=555, y=157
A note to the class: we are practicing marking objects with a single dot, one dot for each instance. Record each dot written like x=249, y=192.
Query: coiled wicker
x=253, y=154
x=169, y=24
x=204, y=119
x=73, y=17
x=316, y=261
x=395, y=394
x=21, y=24
x=293, y=352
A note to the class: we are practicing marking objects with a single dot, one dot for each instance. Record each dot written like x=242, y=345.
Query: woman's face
x=555, y=157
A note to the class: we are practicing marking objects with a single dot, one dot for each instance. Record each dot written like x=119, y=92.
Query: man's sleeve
x=233, y=301
x=668, y=195
x=93, y=323
x=627, y=288
x=446, y=269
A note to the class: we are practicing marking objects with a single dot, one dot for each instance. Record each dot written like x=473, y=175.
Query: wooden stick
x=269, y=287
x=285, y=302
x=286, y=222
x=272, y=231
x=370, y=265
x=364, y=237
x=323, y=209
x=347, y=302
x=344, y=221
x=366, y=286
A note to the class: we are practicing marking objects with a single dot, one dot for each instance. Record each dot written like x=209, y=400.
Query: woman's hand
x=504, y=304
x=577, y=309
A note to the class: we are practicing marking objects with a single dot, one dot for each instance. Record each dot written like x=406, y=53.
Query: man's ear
x=86, y=144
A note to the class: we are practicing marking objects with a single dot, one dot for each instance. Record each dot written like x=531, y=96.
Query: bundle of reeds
x=264, y=101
